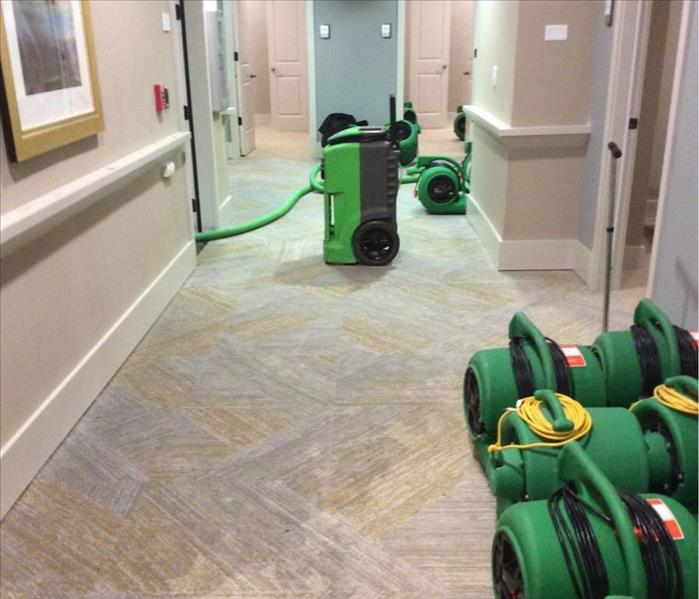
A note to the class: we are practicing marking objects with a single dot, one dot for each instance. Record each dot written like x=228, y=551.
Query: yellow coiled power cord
x=529, y=410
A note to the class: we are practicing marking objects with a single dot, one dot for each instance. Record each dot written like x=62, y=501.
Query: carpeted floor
x=289, y=428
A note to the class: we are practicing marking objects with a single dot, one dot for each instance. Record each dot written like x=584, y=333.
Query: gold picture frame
x=38, y=111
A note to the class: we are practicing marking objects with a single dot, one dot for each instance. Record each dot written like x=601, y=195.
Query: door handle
x=253, y=76
x=466, y=73
x=273, y=70
x=444, y=67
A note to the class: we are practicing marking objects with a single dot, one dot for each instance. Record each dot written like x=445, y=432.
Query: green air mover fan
x=460, y=123
x=360, y=172
x=652, y=448
x=409, y=113
x=590, y=540
x=406, y=135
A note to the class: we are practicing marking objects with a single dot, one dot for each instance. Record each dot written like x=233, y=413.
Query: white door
x=286, y=39
x=244, y=77
x=429, y=54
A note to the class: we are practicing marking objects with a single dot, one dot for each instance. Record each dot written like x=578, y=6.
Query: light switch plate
x=385, y=30
x=556, y=33
x=325, y=32
x=167, y=25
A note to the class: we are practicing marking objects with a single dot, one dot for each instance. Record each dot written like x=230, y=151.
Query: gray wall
x=356, y=67
x=597, y=144
x=675, y=285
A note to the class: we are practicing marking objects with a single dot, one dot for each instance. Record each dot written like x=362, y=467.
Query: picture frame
x=50, y=89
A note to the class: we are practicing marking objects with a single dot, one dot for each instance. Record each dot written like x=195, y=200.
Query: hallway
x=289, y=428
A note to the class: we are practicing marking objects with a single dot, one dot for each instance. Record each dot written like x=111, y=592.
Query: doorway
x=438, y=60
x=646, y=170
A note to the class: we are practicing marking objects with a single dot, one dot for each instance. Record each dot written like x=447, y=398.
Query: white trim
x=527, y=254
x=226, y=212
x=500, y=129
x=682, y=49
x=314, y=144
x=30, y=220
x=400, y=57
x=25, y=453
x=486, y=231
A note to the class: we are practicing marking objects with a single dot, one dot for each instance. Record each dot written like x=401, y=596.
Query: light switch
x=556, y=33
x=325, y=32
x=165, y=16
x=385, y=30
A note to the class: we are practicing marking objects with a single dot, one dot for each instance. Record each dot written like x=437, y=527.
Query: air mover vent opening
x=442, y=189
x=507, y=573
x=472, y=403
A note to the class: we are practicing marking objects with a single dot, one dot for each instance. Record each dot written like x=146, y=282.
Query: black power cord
x=688, y=351
x=564, y=380
x=661, y=559
x=648, y=359
x=579, y=545
x=522, y=370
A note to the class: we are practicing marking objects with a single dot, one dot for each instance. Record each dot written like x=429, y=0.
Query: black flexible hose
x=688, y=351
x=648, y=359
x=522, y=370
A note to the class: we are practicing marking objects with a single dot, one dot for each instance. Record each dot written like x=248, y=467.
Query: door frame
x=314, y=143
x=631, y=30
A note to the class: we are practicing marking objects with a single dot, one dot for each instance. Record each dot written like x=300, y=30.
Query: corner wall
x=76, y=300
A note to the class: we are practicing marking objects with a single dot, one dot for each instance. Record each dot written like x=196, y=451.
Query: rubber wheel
x=441, y=190
x=375, y=243
x=472, y=403
x=460, y=126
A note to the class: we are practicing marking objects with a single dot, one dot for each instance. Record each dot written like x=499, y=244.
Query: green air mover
x=635, y=361
x=460, y=123
x=496, y=378
x=670, y=433
x=406, y=134
x=649, y=449
x=590, y=540
x=409, y=113
x=443, y=182
x=360, y=172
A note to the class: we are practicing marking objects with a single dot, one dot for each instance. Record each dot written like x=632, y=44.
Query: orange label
x=671, y=523
x=573, y=356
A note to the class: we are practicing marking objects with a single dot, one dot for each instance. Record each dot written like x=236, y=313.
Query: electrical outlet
x=494, y=76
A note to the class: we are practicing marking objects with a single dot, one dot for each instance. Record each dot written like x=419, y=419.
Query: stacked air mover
x=591, y=453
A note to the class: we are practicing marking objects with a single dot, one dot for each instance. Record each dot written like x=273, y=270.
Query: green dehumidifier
x=360, y=173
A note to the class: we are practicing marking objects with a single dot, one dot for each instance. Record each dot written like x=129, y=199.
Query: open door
x=429, y=60
x=286, y=35
x=243, y=76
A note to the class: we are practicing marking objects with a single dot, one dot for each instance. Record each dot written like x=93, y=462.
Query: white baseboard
x=528, y=254
x=262, y=120
x=25, y=453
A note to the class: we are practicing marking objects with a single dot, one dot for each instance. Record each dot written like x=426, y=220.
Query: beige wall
x=553, y=78
x=495, y=38
x=61, y=292
x=655, y=107
x=460, y=52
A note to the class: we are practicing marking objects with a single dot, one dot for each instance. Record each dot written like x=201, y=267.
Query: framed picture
x=49, y=74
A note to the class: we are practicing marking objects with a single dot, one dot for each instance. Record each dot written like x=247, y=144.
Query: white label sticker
x=573, y=355
x=671, y=523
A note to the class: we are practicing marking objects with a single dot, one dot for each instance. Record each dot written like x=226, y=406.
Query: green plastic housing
x=617, y=353
x=530, y=532
x=431, y=172
x=616, y=444
x=342, y=198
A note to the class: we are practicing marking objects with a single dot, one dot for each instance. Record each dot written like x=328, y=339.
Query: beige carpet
x=289, y=428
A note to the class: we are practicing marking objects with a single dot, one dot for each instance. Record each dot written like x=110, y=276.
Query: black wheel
x=375, y=243
x=442, y=189
x=460, y=126
x=507, y=574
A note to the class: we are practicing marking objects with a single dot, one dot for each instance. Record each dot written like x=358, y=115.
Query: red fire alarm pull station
x=162, y=98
